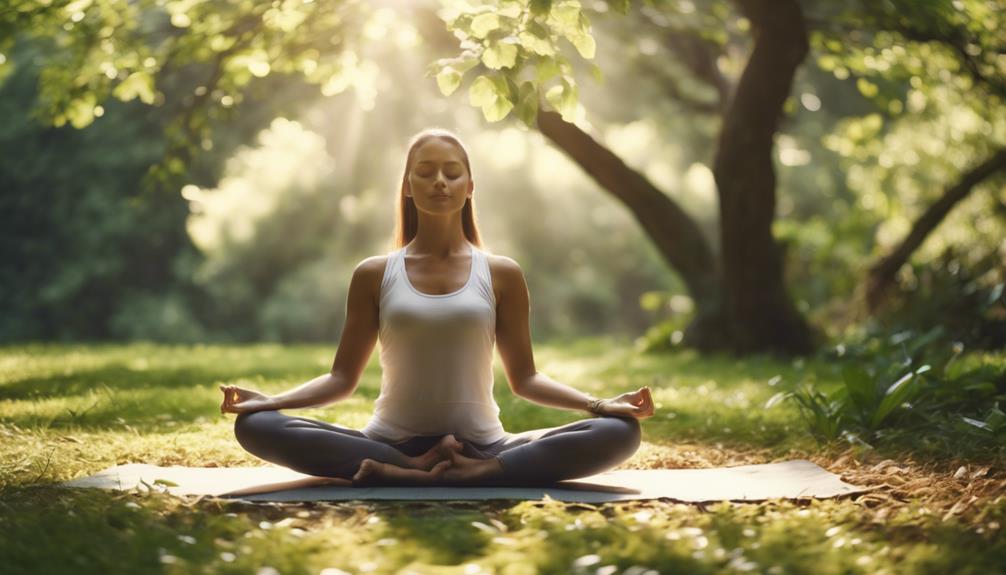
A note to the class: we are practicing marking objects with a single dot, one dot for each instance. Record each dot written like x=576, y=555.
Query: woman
x=438, y=304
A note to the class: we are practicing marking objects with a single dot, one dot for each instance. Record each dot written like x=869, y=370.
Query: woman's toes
x=368, y=467
x=452, y=444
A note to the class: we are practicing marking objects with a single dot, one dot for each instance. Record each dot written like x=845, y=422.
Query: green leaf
x=481, y=92
x=510, y=9
x=499, y=56
x=527, y=104
x=498, y=110
x=541, y=7
x=502, y=106
x=585, y=45
x=996, y=419
x=776, y=399
x=977, y=423
x=137, y=84
x=483, y=24
x=866, y=87
x=490, y=94
x=567, y=15
x=536, y=44
x=860, y=386
x=897, y=394
x=448, y=80
x=563, y=98
x=464, y=63
x=80, y=112
x=582, y=39
x=547, y=69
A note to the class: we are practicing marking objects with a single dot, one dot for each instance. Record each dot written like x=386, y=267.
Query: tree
x=742, y=302
x=882, y=273
x=904, y=54
x=120, y=49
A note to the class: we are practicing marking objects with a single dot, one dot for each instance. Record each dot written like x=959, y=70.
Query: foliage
x=126, y=50
x=963, y=292
x=673, y=314
x=509, y=38
x=272, y=284
x=894, y=110
x=80, y=245
x=909, y=389
x=89, y=252
x=933, y=74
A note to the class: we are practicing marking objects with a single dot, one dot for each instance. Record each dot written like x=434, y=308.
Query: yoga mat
x=788, y=479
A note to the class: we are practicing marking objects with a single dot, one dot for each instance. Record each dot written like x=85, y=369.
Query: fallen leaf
x=980, y=472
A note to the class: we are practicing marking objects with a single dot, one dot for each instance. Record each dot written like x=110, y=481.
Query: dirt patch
x=692, y=455
x=948, y=488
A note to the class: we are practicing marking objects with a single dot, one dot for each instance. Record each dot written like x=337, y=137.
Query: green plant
x=906, y=386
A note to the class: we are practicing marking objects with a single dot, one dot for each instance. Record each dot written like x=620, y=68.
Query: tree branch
x=882, y=273
x=674, y=232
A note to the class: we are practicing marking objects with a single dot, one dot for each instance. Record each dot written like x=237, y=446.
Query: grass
x=69, y=411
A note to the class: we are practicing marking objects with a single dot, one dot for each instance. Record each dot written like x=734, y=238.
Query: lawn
x=67, y=411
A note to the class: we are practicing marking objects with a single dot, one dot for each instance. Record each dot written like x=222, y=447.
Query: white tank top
x=436, y=358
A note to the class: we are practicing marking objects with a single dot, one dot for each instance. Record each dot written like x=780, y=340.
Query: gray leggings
x=538, y=456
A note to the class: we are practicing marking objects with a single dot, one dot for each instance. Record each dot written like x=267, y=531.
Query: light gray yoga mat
x=788, y=479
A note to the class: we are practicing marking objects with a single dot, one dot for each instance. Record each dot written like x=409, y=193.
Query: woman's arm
x=513, y=339
x=359, y=335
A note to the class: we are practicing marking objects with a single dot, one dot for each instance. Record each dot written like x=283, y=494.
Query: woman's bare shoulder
x=503, y=264
x=506, y=273
x=370, y=271
x=373, y=264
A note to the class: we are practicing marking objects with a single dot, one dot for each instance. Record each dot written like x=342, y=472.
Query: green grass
x=69, y=411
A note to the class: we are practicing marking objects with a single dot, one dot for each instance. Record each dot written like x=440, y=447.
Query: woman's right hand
x=240, y=400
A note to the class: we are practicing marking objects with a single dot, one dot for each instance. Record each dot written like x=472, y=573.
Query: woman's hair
x=408, y=217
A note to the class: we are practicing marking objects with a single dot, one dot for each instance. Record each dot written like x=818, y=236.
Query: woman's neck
x=439, y=239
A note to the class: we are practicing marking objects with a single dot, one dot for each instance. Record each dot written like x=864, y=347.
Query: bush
x=963, y=293
x=908, y=386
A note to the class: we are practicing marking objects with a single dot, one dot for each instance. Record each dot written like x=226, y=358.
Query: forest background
x=190, y=171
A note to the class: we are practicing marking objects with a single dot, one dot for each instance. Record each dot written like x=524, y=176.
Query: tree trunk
x=758, y=311
x=676, y=235
x=882, y=272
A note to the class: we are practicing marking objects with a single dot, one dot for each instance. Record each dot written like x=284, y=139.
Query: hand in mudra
x=638, y=404
x=240, y=400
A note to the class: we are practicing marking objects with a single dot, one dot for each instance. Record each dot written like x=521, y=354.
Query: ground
x=69, y=411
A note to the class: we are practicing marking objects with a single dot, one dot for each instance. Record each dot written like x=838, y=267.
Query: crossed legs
x=540, y=456
x=324, y=449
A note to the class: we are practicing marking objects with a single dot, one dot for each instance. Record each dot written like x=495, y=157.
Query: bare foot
x=439, y=452
x=377, y=473
x=466, y=470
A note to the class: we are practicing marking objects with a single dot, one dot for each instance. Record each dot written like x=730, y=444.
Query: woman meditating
x=438, y=304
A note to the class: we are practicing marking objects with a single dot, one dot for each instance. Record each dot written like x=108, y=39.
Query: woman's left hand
x=638, y=404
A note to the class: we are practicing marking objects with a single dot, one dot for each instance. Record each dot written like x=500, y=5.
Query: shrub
x=910, y=387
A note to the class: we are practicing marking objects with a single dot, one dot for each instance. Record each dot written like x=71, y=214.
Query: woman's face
x=438, y=180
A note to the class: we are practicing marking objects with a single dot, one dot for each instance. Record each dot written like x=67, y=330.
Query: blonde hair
x=408, y=217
